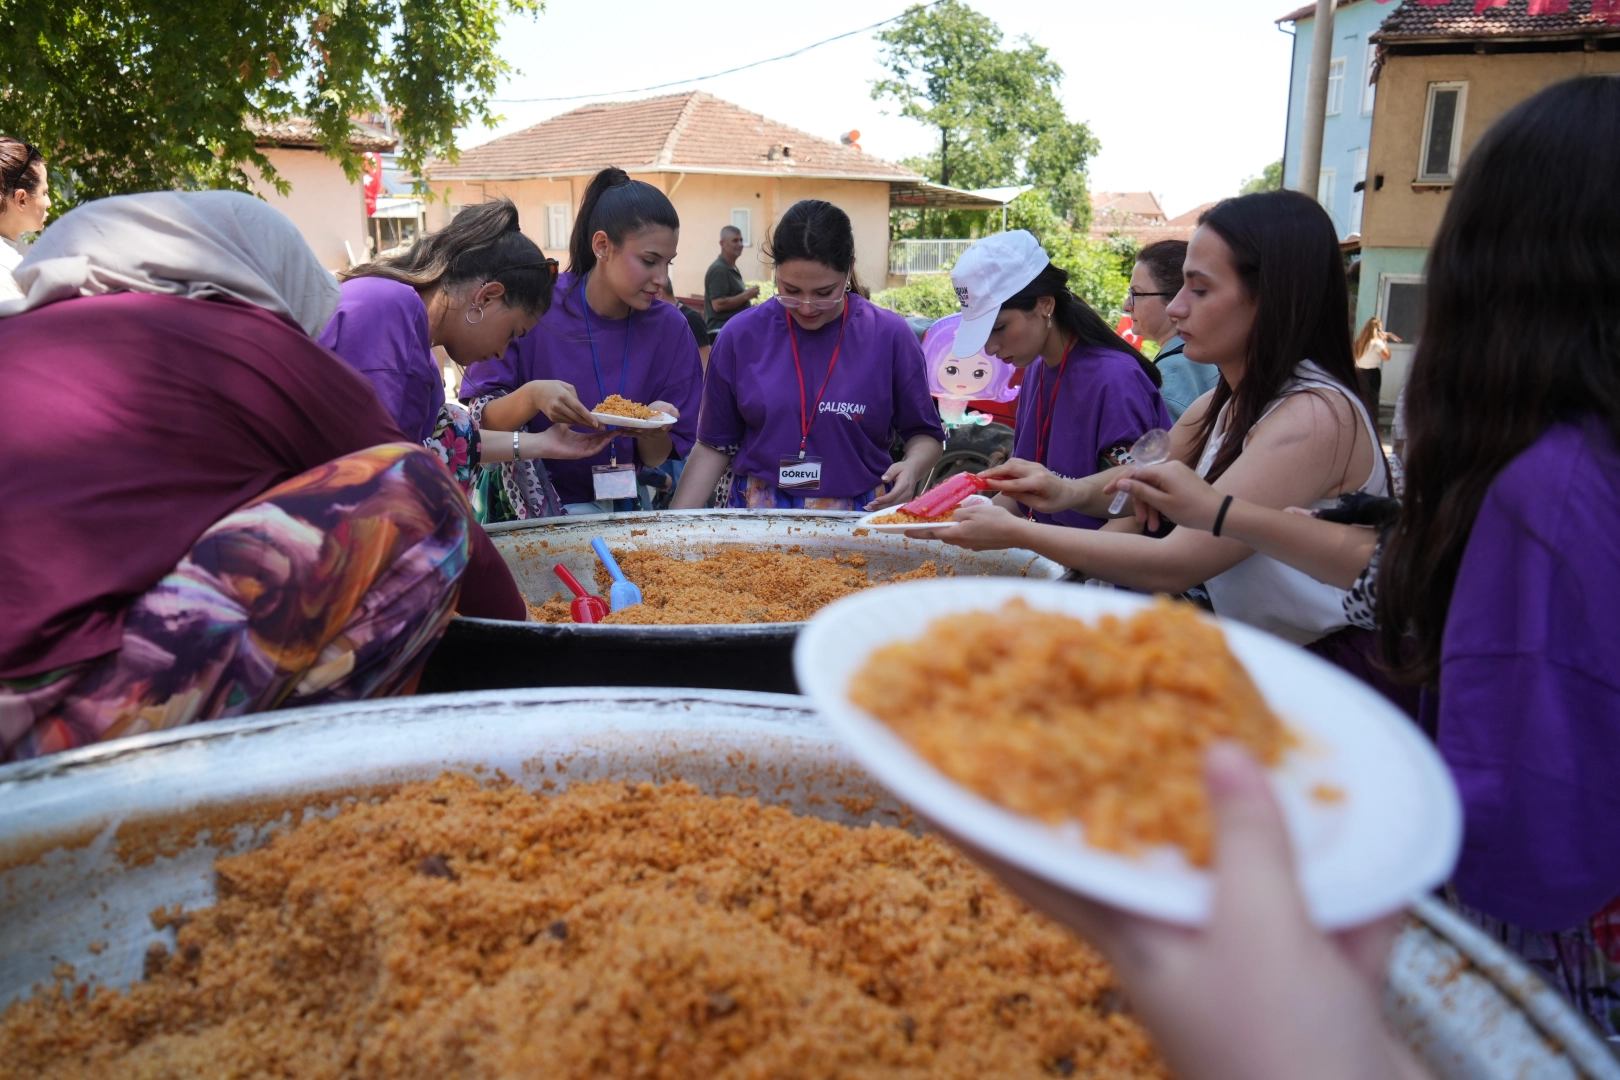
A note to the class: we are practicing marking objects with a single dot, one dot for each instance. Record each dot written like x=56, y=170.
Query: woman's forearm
x=509, y=412
x=704, y=467
x=924, y=451
x=655, y=448
x=1326, y=550
x=495, y=447
x=1171, y=565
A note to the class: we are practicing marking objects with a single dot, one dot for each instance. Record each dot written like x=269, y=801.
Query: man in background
x=724, y=293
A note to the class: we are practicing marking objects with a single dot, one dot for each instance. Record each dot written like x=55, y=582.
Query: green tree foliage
x=1099, y=270
x=996, y=112
x=930, y=296
x=137, y=95
x=1270, y=179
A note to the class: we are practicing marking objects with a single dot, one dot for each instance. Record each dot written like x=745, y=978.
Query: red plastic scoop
x=941, y=500
x=584, y=608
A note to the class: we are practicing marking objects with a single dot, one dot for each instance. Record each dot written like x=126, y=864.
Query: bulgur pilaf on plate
x=619, y=406
x=1062, y=720
x=614, y=930
x=906, y=517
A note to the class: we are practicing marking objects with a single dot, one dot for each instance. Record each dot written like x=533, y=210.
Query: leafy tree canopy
x=138, y=95
x=996, y=110
x=1270, y=179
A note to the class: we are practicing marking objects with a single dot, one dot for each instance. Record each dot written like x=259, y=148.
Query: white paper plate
x=866, y=522
x=1393, y=836
x=661, y=420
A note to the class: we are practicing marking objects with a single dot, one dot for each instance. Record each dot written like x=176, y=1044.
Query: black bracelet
x=1226, y=504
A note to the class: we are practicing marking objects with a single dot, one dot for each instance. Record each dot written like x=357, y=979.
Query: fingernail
x=1228, y=768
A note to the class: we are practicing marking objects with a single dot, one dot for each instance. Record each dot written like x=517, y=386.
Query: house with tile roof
x=1445, y=73
x=328, y=208
x=719, y=163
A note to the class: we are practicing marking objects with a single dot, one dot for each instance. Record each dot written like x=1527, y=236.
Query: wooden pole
x=1316, y=89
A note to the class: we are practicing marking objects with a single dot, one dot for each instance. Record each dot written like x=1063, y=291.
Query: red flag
x=1481, y=5
x=1126, y=330
x=1548, y=7
x=1611, y=8
x=372, y=181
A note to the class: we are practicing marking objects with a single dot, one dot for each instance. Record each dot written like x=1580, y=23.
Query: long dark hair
x=1521, y=330
x=481, y=244
x=1286, y=251
x=616, y=205
x=17, y=161
x=820, y=232
x=1076, y=316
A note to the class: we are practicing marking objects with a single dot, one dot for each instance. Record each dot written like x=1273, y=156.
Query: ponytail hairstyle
x=17, y=173
x=619, y=206
x=481, y=244
x=1286, y=251
x=816, y=231
x=1076, y=317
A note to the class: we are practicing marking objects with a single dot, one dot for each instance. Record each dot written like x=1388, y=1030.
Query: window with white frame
x=1368, y=88
x=742, y=219
x=557, y=227
x=1442, y=131
x=1326, y=182
x=1335, y=100
x=1359, y=193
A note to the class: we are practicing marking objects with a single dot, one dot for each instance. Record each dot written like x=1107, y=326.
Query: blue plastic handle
x=606, y=556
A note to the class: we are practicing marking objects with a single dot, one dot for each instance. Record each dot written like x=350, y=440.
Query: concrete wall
x=704, y=203
x=1403, y=213
x=327, y=208
x=1346, y=134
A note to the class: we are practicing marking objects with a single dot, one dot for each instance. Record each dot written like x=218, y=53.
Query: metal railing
x=913, y=257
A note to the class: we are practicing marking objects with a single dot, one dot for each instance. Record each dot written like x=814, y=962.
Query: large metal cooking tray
x=1470, y=1010
x=481, y=654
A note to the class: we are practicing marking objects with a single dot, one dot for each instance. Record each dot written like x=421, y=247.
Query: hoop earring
x=472, y=320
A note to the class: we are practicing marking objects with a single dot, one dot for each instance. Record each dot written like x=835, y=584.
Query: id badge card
x=614, y=481
x=799, y=474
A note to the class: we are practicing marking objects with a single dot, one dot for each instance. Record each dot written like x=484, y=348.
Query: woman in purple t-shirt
x=608, y=333
x=472, y=288
x=803, y=398
x=1092, y=395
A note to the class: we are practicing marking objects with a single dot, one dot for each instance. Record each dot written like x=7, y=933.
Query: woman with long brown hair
x=1500, y=582
x=1264, y=300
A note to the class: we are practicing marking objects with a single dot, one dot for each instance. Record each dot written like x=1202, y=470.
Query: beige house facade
x=1445, y=74
x=719, y=164
x=328, y=208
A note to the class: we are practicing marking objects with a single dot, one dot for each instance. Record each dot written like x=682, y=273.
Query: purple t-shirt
x=1530, y=686
x=381, y=330
x=1104, y=402
x=661, y=364
x=877, y=391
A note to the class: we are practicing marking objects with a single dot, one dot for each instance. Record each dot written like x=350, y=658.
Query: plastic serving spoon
x=584, y=608
x=943, y=498
x=1151, y=449
x=623, y=594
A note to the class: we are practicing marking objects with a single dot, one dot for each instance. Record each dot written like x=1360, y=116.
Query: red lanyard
x=806, y=417
x=1043, y=428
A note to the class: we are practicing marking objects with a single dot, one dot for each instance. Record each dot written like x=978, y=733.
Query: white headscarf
x=179, y=243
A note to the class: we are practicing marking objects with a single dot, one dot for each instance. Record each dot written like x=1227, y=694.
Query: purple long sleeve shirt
x=660, y=364
x=1529, y=716
x=381, y=330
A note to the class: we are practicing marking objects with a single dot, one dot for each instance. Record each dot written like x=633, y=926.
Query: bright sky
x=1188, y=97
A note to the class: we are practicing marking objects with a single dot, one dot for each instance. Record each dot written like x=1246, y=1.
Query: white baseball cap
x=988, y=274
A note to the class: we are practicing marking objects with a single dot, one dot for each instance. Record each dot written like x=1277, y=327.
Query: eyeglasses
x=1132, y=295
x=813, y=307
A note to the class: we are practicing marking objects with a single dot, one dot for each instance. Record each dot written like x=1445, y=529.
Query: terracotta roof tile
x=1189, y=220
x=1458, y=19
x=299, y=131
x=694, y=131
x=1143, y=204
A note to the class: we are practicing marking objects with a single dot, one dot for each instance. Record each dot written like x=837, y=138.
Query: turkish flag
x=372, y=181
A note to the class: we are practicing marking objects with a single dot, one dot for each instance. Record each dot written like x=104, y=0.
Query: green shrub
x=930, y=296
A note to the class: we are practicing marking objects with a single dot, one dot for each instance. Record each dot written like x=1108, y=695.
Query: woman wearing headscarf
x=207, y=514
x=472, y=288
